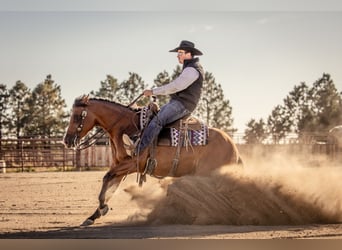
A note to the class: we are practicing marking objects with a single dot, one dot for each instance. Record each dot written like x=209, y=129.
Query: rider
x=185, y=92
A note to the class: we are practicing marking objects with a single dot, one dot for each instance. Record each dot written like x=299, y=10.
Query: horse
x=117, y=119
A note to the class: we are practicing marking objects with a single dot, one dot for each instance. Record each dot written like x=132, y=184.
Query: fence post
x=78, y=160
x=3, y=166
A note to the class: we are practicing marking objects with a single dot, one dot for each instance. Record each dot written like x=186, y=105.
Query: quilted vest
x=191, y=95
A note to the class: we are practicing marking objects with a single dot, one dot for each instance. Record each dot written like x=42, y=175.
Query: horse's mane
x=83, y=101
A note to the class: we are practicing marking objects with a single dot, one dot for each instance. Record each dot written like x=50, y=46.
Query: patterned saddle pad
x=196, y=132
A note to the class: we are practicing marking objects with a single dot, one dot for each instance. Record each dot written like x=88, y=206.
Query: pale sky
x=257, y=56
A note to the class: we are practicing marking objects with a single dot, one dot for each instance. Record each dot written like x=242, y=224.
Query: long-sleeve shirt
x=184, y=80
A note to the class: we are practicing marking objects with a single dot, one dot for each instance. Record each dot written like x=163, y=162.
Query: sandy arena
x=279, y=200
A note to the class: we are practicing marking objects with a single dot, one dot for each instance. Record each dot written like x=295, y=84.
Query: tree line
x=41, y=112
x=305, y=110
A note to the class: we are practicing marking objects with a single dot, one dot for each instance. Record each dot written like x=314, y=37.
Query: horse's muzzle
x=70, y=141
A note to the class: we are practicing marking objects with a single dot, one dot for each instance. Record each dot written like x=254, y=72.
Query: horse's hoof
x=103, y=211
x=87, y=223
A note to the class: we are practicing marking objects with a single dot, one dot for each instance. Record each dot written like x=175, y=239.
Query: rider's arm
x=184, y=80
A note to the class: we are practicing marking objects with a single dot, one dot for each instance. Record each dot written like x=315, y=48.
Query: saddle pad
x=194, y=137
x=170, y=137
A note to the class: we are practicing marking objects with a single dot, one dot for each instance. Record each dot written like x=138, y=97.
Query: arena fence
x=29, y=154
x=19, y=155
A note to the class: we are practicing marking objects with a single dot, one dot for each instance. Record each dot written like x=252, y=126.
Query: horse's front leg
x=110, y=183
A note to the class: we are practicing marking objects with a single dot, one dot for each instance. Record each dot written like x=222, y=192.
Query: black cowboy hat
x=188, y=46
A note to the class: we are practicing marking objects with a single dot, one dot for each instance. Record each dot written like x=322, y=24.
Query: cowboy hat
x=188, y=46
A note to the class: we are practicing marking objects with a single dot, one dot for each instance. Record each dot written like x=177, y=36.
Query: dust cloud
x=279, y=191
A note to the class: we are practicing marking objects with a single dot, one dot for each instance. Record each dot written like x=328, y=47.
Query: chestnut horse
x=117, y=119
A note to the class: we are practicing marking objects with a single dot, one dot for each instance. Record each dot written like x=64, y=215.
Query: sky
x=258, y=54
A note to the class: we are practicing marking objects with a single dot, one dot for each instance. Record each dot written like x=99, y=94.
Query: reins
x=100, y=131
x=135, y=100
x=91, y=140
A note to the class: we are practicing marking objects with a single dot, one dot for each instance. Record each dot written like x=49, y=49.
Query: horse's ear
x=85, y=99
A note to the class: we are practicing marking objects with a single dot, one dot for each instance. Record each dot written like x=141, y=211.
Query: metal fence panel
x=27, y=154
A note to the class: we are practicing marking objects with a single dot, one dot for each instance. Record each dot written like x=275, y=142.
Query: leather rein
x=100, y=132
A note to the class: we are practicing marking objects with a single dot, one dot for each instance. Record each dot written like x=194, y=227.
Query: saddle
x=194, y=131
x=187, y=131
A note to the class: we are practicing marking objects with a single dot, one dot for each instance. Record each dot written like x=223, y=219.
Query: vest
x=190, y=96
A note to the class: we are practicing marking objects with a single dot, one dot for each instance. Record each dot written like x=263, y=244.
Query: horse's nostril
x=68, y=140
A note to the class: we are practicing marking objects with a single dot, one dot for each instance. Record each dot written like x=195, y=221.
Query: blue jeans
x=168, y=113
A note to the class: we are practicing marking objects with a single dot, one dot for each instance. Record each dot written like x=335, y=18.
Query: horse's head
x=81, y=122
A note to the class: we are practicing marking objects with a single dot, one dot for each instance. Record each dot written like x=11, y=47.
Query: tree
x=278, y=123
x=18, y=102
x=326, y=106
x=109, y=89
x=256, y=132
x=130, y=89
x=48, y=117
x=297, y=107
x=212, y=107
x=162, y=79
x=315, y=109
x=307, y=110
x=176, y=72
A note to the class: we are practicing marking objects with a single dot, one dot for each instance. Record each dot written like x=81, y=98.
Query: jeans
x=168, y=113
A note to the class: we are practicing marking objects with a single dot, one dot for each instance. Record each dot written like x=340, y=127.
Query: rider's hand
x=148, y=92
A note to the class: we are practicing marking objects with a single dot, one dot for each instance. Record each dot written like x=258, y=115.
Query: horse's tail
x=240, y=161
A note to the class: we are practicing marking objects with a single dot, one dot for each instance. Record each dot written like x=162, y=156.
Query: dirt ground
x=227, y=205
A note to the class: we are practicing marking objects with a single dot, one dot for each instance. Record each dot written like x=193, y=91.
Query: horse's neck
x=112, y=116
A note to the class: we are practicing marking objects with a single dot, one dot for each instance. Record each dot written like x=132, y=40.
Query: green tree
x=108, y=89
x=162, y=79
x=256, y=132
x=315, y=109
x=326, y=106
x=278, y=123
x=297, y=107
x=213, y=108
x=307, y=110
x=176, y=72
x=18, y=102
x=131, y=89
x=165, y=78
x=48, y=117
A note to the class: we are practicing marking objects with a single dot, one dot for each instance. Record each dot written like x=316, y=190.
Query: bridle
x=83, y=115
x=92, y=139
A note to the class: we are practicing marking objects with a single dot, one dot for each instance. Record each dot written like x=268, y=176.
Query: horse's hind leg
x=109, y=184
